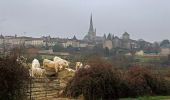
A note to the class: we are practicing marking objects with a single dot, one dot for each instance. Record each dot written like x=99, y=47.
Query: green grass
x=149, y=98
x=148, y=59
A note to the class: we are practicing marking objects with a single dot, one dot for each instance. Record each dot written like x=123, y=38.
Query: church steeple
x=91, y=25
x=92, y=32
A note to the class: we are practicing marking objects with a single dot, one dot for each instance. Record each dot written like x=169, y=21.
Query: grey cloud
x=147, y=19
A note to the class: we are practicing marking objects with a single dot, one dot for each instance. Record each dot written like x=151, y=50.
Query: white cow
x=36, y=71
x=57, y=58
x=52, y=65
x=62, y=63
x=35, y=64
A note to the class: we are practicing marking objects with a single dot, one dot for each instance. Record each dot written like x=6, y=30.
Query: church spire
x=92, y=32
x=91, y=25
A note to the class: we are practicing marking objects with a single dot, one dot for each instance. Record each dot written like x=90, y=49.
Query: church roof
x=74, y=38
x=116, y=37
x=91, y=25
x=1, y=36
x=109, y=37
x=166, y=46
x=125, y=33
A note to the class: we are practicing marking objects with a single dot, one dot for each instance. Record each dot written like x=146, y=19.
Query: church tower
x=92, y=32
x=91, y=29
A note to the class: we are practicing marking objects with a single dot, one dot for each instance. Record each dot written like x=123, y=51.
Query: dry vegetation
x=13, y=77
x=104, y=81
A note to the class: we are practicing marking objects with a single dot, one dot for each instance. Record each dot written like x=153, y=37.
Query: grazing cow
x=36, y=71
x=35, y=64
x=48, y=63
x=57, y=58
x=79, y=65
x=52, y=65
x=62, y=63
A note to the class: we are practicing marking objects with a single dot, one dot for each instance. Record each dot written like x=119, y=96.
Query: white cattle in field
x=35, y=64
x=35, y=70
x=79, y=65
x=48, y=63
x=61, y=62
x=38, y=72
x=51, y=65
x=57, y=58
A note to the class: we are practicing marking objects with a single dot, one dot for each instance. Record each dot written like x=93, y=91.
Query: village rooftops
x=1, y=36
x=166, y=46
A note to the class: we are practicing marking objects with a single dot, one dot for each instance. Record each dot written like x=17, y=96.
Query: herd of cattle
x=58, y=64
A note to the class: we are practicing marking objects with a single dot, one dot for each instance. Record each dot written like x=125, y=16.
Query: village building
x=126, y=42
x=115, y=42
x=37, y=42
x=108, y=43
x=165, y=51
x=1, y=39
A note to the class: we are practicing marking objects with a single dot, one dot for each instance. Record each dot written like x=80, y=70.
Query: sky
x=142, y=19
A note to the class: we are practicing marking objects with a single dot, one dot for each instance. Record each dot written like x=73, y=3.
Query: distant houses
x=112, y=41
x=165, y=49
x=90, y=40
x=13, y=41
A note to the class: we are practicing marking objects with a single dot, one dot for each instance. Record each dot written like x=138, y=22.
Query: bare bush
x=99, y=81
x=103, y=81
x=141, y=81
x=13, y=79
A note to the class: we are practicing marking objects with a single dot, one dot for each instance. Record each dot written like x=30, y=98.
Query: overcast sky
x=146, y=19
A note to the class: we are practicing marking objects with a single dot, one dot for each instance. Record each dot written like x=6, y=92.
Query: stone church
x=109, y=41
x=91, y=33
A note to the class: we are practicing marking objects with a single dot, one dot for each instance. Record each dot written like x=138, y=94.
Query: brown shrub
x=99, y=81
x=13, y=77
x=103, y=81
x=141, y=81
x=137, y=84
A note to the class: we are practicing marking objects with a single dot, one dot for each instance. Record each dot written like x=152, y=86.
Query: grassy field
x=147, y=59
x=149, y=98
